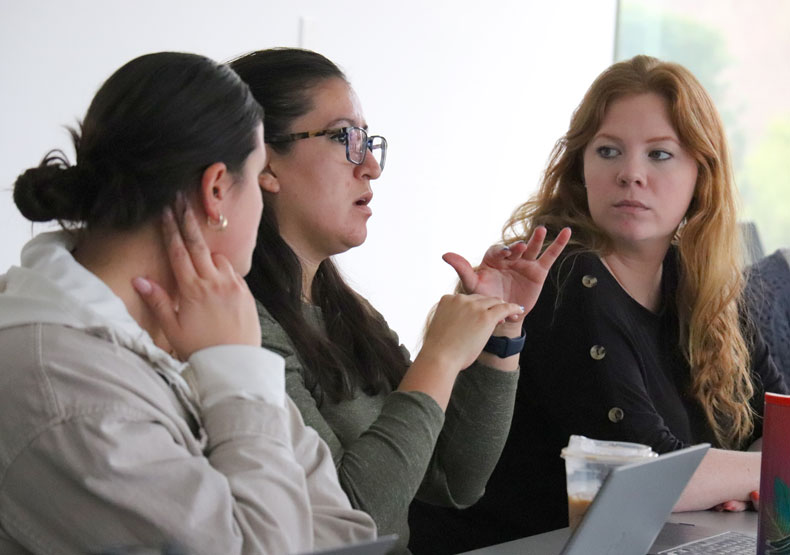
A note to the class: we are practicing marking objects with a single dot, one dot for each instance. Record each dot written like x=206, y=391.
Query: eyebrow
x=651, y=140
x=349, y=121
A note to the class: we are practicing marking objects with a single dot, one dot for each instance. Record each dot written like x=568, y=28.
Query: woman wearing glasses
x=396, y=428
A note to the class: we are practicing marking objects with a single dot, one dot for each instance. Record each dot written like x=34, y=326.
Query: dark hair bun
x=151, y=131
x=48, y=192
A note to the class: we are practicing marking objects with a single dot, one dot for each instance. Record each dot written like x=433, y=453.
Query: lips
x=630, y=204
x=364, y=200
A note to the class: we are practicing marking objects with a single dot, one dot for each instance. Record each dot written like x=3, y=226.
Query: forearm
x=721, y=476
x=266, y=483
x=334, y=523
x=431, y=375
x=257, y=440
x=476, y=429
x=382, y=470
x=248, y=495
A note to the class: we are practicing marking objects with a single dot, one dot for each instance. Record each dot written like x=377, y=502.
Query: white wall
x=470, y=95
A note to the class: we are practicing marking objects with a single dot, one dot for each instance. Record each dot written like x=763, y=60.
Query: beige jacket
x=104, y=445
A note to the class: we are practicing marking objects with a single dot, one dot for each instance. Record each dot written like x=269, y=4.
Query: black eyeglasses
x=355, y=138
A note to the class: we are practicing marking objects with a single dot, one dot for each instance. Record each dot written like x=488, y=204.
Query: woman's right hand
x=459, y=329
x=461, y=326
x=212, y=304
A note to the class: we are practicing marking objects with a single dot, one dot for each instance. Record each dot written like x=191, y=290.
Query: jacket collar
x=51, y=287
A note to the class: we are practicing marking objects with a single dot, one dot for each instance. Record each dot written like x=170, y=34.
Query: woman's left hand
x=734, y=506
x=514, y=273
x=737, y=506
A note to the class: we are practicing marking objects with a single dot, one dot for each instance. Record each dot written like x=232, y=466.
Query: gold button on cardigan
x=589, y=281
x=597, y=352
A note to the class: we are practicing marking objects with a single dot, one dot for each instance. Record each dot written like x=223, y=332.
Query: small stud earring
x=219, y=225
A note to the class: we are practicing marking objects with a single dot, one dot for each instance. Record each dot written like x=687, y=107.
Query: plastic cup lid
x=617, y=451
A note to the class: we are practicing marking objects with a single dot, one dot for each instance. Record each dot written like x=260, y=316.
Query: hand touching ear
x=214, y=304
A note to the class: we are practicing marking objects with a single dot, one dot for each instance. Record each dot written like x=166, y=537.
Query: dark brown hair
x=357, y=350
x=151, y=130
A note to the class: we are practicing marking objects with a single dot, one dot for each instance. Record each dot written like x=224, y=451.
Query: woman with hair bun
x=640, y=334
x=137, y=407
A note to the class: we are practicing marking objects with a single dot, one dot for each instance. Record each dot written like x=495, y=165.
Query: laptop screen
x=633, y=504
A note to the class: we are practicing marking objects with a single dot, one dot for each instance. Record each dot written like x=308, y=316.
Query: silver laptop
x=628, y=514
x=380, y=546
x=633, y=504
x=685, y=539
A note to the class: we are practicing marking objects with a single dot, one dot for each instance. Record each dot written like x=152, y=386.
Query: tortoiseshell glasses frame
x=356, y=139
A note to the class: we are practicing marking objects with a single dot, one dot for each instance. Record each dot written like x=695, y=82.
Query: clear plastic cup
x=588, y=463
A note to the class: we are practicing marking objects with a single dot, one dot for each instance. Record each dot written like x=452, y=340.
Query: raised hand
x=213, y=305
x=514, y=273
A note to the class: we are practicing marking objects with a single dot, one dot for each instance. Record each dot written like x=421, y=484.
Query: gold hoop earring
x=219, y=225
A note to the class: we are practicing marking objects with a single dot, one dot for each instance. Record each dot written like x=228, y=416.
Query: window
x=739, y=51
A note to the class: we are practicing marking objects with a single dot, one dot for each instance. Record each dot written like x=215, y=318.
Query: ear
x=214, y=186
x=268, y=180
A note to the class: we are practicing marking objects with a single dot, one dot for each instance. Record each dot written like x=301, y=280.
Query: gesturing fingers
x=553, y=251
x=535, y=243
x=514, y=250
x=464, y=270
x=503, y=310
x=498, y=256
x=495, y=309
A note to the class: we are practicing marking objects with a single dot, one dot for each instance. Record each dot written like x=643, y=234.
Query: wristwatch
x=504, y=347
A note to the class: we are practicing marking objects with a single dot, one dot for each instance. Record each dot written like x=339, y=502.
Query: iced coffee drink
x=577, y=506
x=588, y=463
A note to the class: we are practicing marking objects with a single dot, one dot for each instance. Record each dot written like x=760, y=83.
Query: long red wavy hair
x=708, y=240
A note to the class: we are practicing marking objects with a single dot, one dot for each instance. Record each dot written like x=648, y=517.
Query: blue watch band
x=504, y=347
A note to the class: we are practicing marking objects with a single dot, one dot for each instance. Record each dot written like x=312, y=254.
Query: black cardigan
x=598, y=364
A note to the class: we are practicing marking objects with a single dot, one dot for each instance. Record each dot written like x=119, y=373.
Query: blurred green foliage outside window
x=740, y=51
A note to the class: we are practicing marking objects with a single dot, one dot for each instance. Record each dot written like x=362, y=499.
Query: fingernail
x=505, y=248
x=142, y=285
x=754, y=495
x=521, y=307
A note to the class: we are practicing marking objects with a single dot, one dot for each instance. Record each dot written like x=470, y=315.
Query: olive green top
x=383, y=445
